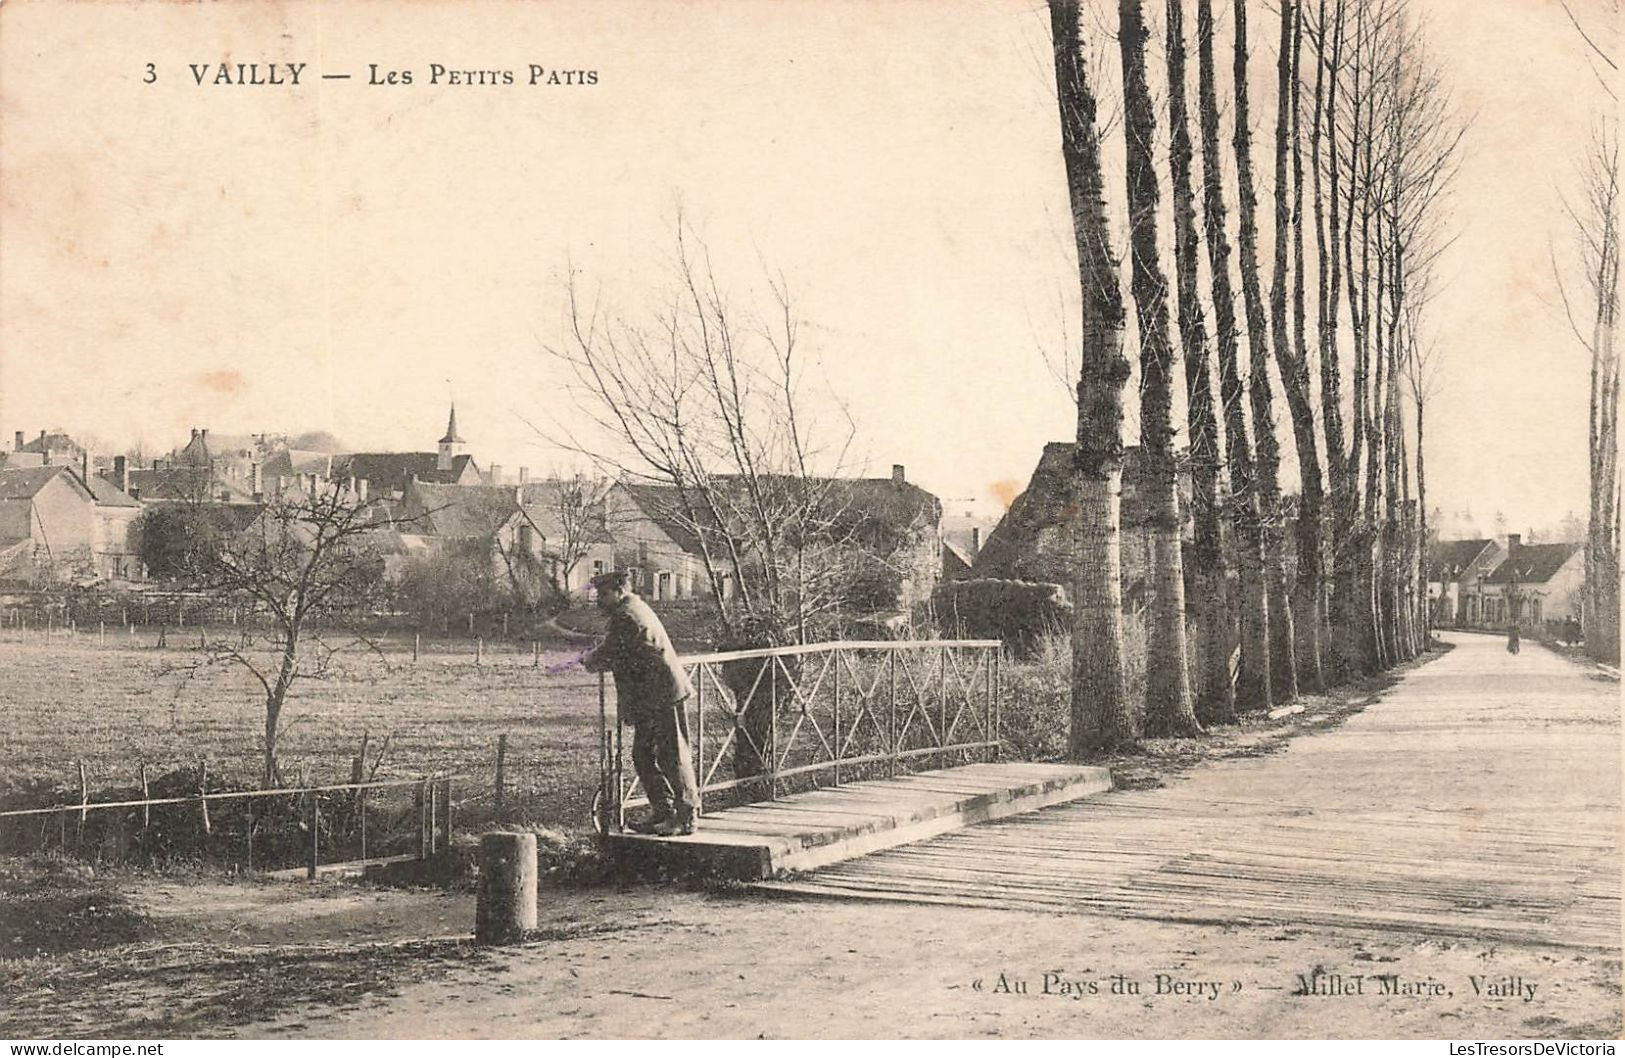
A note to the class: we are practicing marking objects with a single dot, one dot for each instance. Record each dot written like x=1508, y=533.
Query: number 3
x=152, y=74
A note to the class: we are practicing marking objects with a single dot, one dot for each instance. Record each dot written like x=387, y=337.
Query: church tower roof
x=451, y=429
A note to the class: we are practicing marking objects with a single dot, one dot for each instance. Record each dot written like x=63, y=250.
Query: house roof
x=852, y=502
x=291, y=462
x=1533, y=563
x=1016, y=547
x=108, y=494
x=393, y=471
x=955, y=558
x=24, y=483
x=459, y=511
x=544, y=503
x=1448, y=558
x=55, y=441
x=182, y=483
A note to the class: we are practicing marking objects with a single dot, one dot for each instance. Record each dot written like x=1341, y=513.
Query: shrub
x=1018, y=613
x=1036, y=707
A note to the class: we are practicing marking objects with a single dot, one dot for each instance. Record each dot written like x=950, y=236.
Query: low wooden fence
x=353, y=823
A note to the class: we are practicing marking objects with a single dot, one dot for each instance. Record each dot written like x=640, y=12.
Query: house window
x=525, y=539
x=597, y=566
x=663, y=586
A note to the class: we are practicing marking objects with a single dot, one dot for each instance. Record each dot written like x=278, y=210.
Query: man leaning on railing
x=650, y=691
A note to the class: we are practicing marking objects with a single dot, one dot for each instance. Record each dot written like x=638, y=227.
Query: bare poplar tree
x=1292, y=351
x=1253, y=680
x=1217, y=702
x=1168, y=709
x=1266, y=447
x=1101, y=716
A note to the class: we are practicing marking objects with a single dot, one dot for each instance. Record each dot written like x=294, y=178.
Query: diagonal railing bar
x=866, y=703
x=954, y=707
x=966, y=687
x=916, y=707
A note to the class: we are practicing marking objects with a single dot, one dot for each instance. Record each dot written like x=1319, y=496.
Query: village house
x=890, y=522
x=58, y=523
x=529, y=529
x=1536, y=583
x=1033, y=541
x=191, y=474
x=1455, y=570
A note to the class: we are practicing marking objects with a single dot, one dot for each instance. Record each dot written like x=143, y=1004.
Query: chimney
x=524, y=475
x=19, y=440
x=194, y=433
x=975, y=540
x=84, y=468
x=204, y=435
x=519, y=495
x=897, y=474
x=256, y=480
x=1514, y=541
x=496, y=473
x=121, y=473
x=42, y=440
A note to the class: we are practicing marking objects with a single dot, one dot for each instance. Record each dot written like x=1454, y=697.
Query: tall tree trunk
x=1329, y=262
x=1101, y=715
x=1253, y=679
x=1217, y=701
x=1168, y=709
x=1292, y=351
x=1424, y=611
x=1266, y=447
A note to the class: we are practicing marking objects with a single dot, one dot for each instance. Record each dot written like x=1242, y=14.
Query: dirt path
x=1443, y=865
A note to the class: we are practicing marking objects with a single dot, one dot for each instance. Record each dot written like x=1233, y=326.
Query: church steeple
x=451, y=445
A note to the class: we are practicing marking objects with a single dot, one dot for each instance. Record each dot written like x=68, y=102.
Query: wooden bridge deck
x=1479, y=798
x=806, y=830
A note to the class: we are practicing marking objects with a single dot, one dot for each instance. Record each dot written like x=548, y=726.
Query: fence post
x=101, y=632
x=773, y=728
x=837, y=725
x=479, y=650
x=891, y=718
x=146, y=809
x=535, y=653
x=942, y=689
x=417, y=640
x=444, y=842
x=699, y=764
x=250, y=802
x=420, y=800
x=499, y=795
x=315, y=834
x=203, y=793
x=84, y=801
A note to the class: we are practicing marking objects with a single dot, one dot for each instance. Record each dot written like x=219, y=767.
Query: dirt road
x=1443, y=865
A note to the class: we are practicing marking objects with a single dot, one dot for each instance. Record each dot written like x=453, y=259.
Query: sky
x=351, y=257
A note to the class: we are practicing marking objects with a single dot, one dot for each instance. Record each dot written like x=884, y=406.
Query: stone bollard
x=507, y=898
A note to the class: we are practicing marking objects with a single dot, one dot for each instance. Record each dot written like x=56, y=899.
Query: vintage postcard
x=990, y=519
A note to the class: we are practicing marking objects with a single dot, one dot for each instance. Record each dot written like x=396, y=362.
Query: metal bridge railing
x=764, y=721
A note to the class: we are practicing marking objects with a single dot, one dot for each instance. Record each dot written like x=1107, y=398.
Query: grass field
x=118, y=704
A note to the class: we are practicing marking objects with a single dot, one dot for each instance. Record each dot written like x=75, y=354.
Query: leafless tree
x=309, y=571
x=1168, y=708
x=1101, y=716
x=1253, y=681
x=1595, y=221
x=1217, y=702
x=701, y=406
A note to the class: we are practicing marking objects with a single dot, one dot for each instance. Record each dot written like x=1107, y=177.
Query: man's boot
x=679, y=825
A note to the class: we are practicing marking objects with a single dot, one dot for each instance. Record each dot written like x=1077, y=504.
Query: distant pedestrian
x=651, y=693
x=1571, y=630
x=1512, y=640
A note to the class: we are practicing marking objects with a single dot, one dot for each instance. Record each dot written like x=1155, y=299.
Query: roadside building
x=1456, y=569
x=1534, y=584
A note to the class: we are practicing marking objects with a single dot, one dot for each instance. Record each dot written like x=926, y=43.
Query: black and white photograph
x=808, y=520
